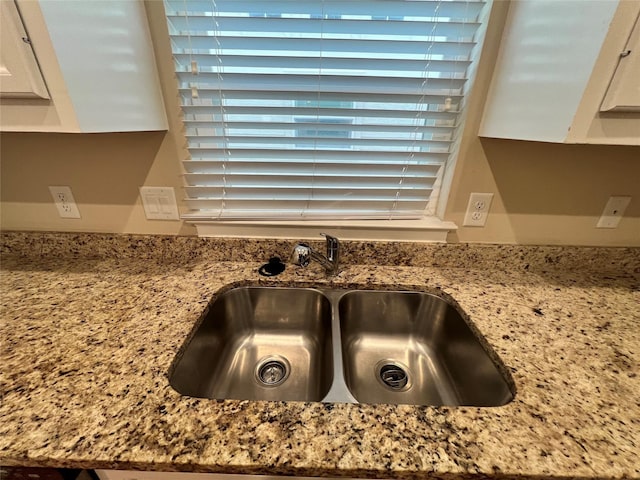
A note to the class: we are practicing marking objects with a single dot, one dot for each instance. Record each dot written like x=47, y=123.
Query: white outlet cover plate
x=613, y=212
x=477, y=210
x=64, y=201
x=159, y=203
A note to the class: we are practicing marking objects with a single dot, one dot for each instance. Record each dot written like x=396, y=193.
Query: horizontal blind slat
x=205, y=168
x=318, y=155
x=300, y=28
x=305, y=211
x=311, y=179
x=273, y=204
x=197, y=124
x=430, y=8
x=274, y=129
x=254, y=46
x=351, y=82
x=302, y=215
x=265, y=192
x=420, y=101
x=212, y=63
x=269, y=142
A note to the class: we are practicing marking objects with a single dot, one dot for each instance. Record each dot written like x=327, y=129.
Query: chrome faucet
x=303, y=254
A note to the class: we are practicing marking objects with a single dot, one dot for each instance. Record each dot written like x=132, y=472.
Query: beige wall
x=544, y=193
x=104, y=172
x=547, y=193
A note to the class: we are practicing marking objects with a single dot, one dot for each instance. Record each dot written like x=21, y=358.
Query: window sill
x=428, y=229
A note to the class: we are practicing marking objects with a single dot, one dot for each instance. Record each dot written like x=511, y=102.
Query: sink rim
x=334, y=292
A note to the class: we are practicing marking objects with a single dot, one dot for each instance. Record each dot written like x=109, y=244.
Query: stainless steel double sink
x=334, y=345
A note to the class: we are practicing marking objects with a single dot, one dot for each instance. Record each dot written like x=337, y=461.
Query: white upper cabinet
x=623, y=94
x=97, y=64
x=20, y=75
x=567, y=72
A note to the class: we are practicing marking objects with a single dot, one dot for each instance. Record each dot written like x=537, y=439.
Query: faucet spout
x=303, y=254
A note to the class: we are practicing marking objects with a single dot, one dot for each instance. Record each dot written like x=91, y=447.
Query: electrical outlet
x=64, y=201
x=477, y=209
x=613, y=212
x=159, y=203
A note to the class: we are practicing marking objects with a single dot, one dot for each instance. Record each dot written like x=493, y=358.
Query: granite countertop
x=91, y=324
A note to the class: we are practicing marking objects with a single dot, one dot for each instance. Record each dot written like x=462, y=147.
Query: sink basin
x=414, y=348
x=260, y=344
x=333, y=345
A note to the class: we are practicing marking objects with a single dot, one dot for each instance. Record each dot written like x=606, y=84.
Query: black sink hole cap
x=273, y=268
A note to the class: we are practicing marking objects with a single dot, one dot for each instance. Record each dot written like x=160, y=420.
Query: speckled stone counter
x=90, y=326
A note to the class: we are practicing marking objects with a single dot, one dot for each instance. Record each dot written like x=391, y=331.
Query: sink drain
x=272, y=371
x=393, y=375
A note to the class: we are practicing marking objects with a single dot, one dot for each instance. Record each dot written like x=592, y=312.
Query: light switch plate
x=613, y=212
x=159, y=203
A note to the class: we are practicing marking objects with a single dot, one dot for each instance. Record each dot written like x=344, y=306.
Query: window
x=320, y=109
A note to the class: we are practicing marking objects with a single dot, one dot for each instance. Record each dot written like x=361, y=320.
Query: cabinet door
x=623, y=94
x=20, y=75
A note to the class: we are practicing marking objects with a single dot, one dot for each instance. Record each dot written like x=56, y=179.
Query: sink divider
x=338, y=391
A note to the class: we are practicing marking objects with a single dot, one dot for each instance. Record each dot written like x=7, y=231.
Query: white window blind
x=307, y=109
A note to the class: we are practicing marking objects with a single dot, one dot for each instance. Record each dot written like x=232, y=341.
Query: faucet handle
x=301, y=255
x=330, y=239
x=333, y=248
